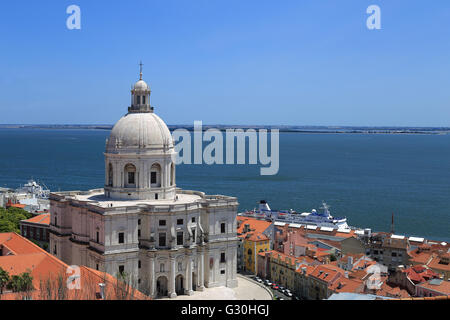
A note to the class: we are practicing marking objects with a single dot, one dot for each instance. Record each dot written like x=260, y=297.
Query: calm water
x=362, y=177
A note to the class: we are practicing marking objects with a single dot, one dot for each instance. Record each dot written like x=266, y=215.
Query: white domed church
x=168, y=241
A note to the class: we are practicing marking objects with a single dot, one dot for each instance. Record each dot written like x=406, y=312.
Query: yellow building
x=253, y=243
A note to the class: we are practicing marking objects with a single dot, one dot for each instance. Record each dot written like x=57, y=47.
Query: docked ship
x=34, y=190
x=320, y=219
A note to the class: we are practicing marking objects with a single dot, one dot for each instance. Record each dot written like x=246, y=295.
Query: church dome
x=141, y=85
x=137, y=131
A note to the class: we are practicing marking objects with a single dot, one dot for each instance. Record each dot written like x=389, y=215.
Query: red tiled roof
x=44, y=268
x=255, y=224
x=39, y=219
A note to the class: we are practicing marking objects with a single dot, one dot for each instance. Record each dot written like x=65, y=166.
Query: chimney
x=102, y=290
x=349, y=263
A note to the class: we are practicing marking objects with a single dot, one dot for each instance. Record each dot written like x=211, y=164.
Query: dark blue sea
x=365, y=177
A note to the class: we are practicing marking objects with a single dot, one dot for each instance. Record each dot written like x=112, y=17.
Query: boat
x=35, y=189
x=313, y=218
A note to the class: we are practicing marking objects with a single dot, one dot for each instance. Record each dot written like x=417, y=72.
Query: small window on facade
x=222, y=257
x=162, y=222
x=139, y=232
x=139, y=281
x=56, y=221
x=156, y=196
x=139, y=264
x=193, y=219
x=139, y=222
x=121, y=269
x=138, y=99
x=193, y=234
x=143, y=99
x=153, y=177
x=162, y=239
x=222, y=271
x=222, y=227
x=98, y=237
x=179, y=221
x=54, y=249
x=121, y=237
x=130, y=177
x=179, y=238
x=96, y=266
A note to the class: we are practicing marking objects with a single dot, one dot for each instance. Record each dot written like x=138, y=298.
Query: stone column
x=152, y=277
x=188, y=289
x=172, y=293
x=201, y=271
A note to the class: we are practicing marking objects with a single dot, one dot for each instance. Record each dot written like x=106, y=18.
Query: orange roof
x=326, y=273
x=255, y=224
x=441, y=286
x=343, y=284
x=397, y=292
x=17, y=205
x=39, y=219
x=435, y=263
x=256, y=236
x=25, y=256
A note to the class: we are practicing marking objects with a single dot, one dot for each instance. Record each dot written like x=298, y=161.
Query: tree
x=10, y=219
x=4, y=279
x=21, y=283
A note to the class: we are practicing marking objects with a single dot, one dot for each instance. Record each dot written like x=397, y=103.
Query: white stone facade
x=169, y=241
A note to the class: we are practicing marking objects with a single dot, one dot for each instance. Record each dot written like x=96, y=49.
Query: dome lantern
x=140, y=96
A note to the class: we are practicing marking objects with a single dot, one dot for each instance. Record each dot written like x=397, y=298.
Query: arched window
x=130, y=176
x=138, y=100
x=155, y=175
x=110, y=175
x=249, y=251
x=143, y=99
x=172, y=174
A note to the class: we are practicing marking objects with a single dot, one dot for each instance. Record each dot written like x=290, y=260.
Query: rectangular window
x=139, y=233
x=153, y=177
x=193, y=235
x=56, y=221
x=139, y=264
x=162, y=223
x=96, y=266
x=138, y=99
x=180, y=238
x=222, y=271
x=139, y=222
x=193, y=219
x=121, y=269
x=121, y=237
x=54, y=249
x=162, y=239
x=130, y=177
x=143, y=99
x=179, y=221
x=156, y=196
x=222, y=227
x=98, y=237
x=222, y=257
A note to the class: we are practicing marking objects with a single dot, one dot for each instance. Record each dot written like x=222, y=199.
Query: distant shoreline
x=288, y=129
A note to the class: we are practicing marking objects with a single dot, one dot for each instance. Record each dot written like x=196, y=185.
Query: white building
x=169, y=241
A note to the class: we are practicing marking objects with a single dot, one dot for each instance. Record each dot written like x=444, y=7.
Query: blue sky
x=228, y=62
